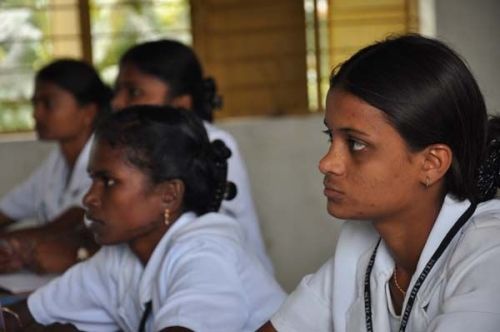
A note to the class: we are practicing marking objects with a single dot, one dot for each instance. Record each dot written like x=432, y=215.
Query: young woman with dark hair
x=68, y=100
x=167, y=72
x=409, y=159
x=169, y=261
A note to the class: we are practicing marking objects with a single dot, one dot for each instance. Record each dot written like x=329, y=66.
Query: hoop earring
x=166, y=217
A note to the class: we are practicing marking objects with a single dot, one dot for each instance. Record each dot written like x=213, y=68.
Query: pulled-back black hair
x=429, y=95
x=170, y=143
x=178, y=66
x=81, y=80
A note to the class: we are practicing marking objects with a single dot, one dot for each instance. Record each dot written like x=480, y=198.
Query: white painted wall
x=472, y=28
x=282, y=157
x=282, y=153
x=19, y=156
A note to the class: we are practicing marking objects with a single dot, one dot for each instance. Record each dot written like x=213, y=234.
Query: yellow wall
x=65, y=27
x=357, y=23
x=256, y=51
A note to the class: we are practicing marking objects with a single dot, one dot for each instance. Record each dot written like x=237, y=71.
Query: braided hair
x=170, y=143
x=489, y=171
x=177, y=66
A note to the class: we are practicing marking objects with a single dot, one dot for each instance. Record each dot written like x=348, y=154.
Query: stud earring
x=166, y=217
x=427, y=182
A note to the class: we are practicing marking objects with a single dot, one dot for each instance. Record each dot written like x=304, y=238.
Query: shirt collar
x=151, y=269
x=80, y=167
x=450, y=211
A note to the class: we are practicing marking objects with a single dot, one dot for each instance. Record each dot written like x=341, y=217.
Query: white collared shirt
x=461, y=293
x=50, y=190
x=242, y=207
x=199, y=276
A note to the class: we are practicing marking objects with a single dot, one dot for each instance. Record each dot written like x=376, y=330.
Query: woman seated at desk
x=69, y=97
x=169, y=261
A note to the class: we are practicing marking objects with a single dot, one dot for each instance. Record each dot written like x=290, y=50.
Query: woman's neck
x=405, y=235
x=144, y=245
x=71, y=148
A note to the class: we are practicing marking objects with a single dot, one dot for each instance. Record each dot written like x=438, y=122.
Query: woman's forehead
x=344, y=109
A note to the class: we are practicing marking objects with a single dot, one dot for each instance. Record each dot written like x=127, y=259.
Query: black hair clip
x=489, y=172
x=213, y=98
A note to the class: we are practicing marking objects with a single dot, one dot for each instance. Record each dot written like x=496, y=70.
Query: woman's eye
x=356, y=145
x=47, y=104
x=134, y=92
x=50, y=104
x=109, y=182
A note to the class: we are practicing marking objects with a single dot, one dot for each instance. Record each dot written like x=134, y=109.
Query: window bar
x=317, y=51
x=85, y=30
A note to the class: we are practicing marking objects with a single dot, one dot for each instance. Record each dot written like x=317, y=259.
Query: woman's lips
x=93, y=223
x=332, y=192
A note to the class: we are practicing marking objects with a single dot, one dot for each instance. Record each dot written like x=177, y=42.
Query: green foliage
x=15, y=117
x=116, y=25
x=119, y=27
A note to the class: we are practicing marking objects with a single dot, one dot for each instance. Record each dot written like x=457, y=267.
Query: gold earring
x=166, y=217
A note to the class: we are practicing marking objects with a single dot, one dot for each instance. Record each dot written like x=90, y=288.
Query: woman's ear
x=183, y=101
x=172, y=194
x=437, y=160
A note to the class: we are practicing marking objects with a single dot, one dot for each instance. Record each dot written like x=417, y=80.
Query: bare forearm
x=50, y=248
x=268, y=327
x=69, y=220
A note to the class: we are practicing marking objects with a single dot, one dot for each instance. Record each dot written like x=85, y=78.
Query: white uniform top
x=48, y=192
x=241, y=207
x=461, y=293
x=199, y=276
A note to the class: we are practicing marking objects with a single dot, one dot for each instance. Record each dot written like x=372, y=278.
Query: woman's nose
x=333, y=162
x=118, y=101
x=90, y=199
x=37, y=111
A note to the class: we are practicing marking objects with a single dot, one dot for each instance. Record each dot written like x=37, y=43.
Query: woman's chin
x=340, y=212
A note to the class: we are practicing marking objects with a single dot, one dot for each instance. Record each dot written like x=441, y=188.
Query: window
x=338, y=28
x=264, y=60
x=35, y=32
x=318, y=51
x=117, y=25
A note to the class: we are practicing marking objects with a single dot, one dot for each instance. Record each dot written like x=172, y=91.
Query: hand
x=14, y=253
x=53, y=256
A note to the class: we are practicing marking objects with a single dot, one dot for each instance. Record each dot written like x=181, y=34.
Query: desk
x=17, y=286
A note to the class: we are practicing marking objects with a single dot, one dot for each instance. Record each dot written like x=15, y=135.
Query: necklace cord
x=423, y=275
x=395, y=278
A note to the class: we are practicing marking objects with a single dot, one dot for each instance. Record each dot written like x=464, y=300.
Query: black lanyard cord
x=145, y=315
x=430, y=264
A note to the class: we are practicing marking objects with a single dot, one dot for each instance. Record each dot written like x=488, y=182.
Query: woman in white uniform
x=166, y=72
x=68, y=99
x=408, y=147
x=169, y=261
